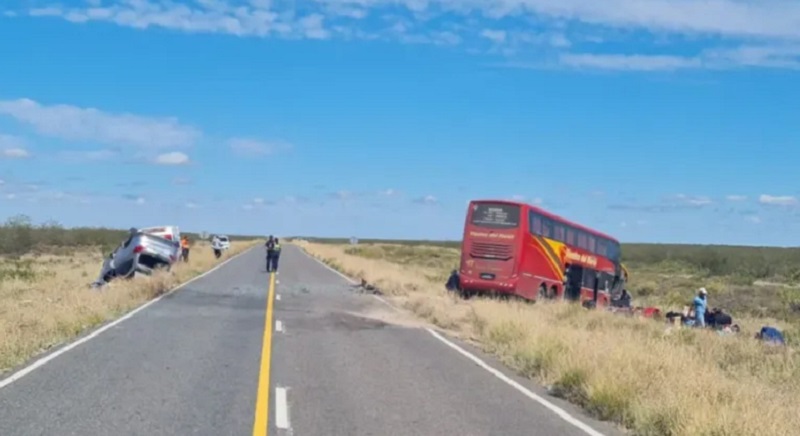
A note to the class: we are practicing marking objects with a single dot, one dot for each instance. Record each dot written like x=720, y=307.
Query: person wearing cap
x=700, y=304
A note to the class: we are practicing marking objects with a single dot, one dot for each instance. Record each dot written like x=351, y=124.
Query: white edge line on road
x=44, y=360
x=563, y=414
x=279, y=326
x=383, y=300
x=281, y=409
x=326, y=266
x=349, y=280
x=522, y=389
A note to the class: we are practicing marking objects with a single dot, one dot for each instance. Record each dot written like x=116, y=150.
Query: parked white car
x=224, y=242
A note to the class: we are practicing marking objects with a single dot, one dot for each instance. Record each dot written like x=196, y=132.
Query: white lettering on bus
x=491, y=235
x=583, y=258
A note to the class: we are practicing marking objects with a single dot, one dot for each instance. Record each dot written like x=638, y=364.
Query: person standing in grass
x=700, y=304
x=185, y=248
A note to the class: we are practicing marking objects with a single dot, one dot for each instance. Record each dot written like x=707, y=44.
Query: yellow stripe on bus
x=554, y=263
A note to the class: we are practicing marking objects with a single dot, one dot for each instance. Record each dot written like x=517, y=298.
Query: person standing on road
x=700, y=304
x=276, y=255
x=270, y=244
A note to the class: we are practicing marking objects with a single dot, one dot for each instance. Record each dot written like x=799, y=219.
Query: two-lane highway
x=231, y=355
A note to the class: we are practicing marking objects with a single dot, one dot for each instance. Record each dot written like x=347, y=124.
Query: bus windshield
x=495, y=215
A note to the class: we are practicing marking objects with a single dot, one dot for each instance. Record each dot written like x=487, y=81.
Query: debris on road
x=367, y=288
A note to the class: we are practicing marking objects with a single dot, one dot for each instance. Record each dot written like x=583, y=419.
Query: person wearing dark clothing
x=771, y=336
x=270, y=244
x=716, y=318
x=623, y=301
x=276, y=255
x=453, y=282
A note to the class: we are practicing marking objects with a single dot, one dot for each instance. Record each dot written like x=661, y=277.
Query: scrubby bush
x=19, y=235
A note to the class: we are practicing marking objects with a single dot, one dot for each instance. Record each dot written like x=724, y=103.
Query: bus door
x=572, y=289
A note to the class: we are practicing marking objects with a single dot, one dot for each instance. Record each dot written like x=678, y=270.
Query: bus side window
x=614, y=251
x=592, y=244
x=547, y=227
x=582, y=239
x=559, y=232
x=601, y=247
x=536, y=224
x=570, y=236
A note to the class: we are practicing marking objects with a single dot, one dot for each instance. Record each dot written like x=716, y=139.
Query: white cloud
x=181, y=181
x=258, y=200
x=694, y=200
x=13, y=147
x=191, y=205
x=75, y=123
x=699, y=201
x=497, y=36
x=777, y=200
x=14, y=153
x=755, y=219
x=765, y=56
x=247, y=207
x=728, y=18
x=388, y=192
x=714, y=27
x=342, y=195
x=254, y=147
x=312, y=27
x=428, y=199
x=522, y=198
x=172, y=158
x=628, y=62
x=734, y=197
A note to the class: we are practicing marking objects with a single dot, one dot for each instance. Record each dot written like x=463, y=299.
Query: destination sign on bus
x=495, y=215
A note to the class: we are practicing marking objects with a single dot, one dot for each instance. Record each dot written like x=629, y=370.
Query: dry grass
x=631, y=371
x=46, y=299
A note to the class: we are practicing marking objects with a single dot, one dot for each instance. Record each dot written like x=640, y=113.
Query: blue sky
x=651, y=120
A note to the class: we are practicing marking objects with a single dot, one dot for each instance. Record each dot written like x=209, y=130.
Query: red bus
x=518, y=249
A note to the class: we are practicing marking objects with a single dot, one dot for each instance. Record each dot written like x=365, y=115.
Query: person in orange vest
x=185, y=248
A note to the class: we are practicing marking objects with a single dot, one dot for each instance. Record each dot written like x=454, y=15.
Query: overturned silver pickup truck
x=144, y=251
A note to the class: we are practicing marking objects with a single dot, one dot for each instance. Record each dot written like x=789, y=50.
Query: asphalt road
x=342, y=363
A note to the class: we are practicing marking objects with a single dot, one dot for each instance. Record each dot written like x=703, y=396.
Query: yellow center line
x=261, y=423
